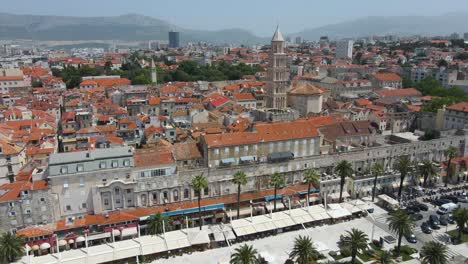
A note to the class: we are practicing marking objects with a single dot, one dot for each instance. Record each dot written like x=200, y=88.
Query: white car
x=463, y=199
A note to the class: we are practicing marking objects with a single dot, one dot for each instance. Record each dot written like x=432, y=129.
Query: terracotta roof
x=34, y=231
x=11, y=78
x=151, y=157
x=186, y=151
x=343, y=129
x=362, y=102
x=399, y=92
x=462, y=107
x=305, y=88
x=243, y=97
x=387, y=76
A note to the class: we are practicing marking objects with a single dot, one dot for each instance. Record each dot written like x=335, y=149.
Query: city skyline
x=256, y=17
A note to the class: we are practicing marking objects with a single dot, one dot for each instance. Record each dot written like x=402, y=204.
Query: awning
x=116, y=232
x=337, y=195
x=28, y=248
x=228, y=161
x=312, y=190
x=194, y=210
x=71, y=241
x=62, y=243
x=35, y=247
x=99, y=236
x=278, y=156
x=272, y=197
x=44, y=246
x=129, y=231
x=197, y=237
x=388, y=199
x=248, y=158
x=80, y=239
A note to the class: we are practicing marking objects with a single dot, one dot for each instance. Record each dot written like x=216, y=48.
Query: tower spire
x=154, y=75
x=277, y=36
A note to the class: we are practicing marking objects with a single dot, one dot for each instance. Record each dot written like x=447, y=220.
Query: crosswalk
x=451, y=254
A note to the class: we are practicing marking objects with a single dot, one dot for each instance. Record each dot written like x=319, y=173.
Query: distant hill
x=125, y=27
x=398, y=25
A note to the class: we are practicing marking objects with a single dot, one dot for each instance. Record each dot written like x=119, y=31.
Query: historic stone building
x=278, y=73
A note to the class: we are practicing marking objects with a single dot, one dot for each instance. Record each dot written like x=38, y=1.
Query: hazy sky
x=258, y=16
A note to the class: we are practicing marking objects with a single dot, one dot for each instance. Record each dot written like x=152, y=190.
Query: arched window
x=154, y=197
x=143, y=199
x=175, y=195
x=186, y=193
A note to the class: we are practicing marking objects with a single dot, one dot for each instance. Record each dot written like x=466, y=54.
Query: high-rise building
x=465, y=36
x=344, y=49
x=278, y=74
x=174, y=39
x=298, y=40
x=323, y=42
x=454, y=35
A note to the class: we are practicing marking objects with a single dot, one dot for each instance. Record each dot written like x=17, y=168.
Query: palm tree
x=428, y=170
x=460, y=216
x=240, y=179
x=383, y=257
x=157, y=224
x=354, y=240
x=451, y=152
x=434, y=253
x=277, y=180
x=244, y=254
x=403, y=165
x=377, y=169
x=304, y=251
x=11, y=247
x=311, y=176
x=344, y=169
x=400, y=222
x=199, y=183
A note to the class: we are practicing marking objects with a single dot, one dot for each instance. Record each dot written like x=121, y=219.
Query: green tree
x=240, y=179
x=311, y=176
x=353, y=241
x=377, y=170
x=108, y=67
x=407, y=83
x=304, y=251
x=450, y=153
x=383, y=257
x=157, y=224
x=434, y=252
x=244, y=254
x=403, y=165
x=344, y=169
x=460, y=216
x=442, y=63
x=199, y=183
x=427, y=170
x=400, y=222
x=277, y=180
x=11, y=247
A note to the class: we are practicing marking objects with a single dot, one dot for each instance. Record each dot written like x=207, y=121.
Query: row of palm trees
x=304, y=252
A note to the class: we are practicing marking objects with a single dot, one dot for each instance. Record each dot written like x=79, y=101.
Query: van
x=446, y=208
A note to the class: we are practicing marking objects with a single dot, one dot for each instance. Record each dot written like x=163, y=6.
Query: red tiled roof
x=399, y=92
x=462, y=107
x=150, y=157
x=387, y=76
x=243, y=96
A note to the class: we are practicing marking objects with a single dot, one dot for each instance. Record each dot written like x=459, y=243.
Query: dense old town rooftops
x=462, y=107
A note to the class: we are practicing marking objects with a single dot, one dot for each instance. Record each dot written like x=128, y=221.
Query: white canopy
x=44, y=246
x=80, y=239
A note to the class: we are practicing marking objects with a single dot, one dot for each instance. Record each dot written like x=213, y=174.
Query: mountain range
x=134, y=27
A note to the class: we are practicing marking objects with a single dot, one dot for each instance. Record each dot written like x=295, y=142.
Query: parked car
x=440, y=202
x=452, y=198
x=416, y=217
x=411, y=238
x=421, y=206
x=450, y=219
x=426, y=228
x=414, y=208
x=463, y=199
x=446, y=208
x=434, y=222
x=443, y=220
x=409, y=210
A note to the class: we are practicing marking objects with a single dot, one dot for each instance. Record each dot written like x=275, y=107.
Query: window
x=83, y=205
x=82, y=183
x=106, y=201
x=68, y=208
x=115, y=164
x=79, y=167
x=64, y=169
x=186, y=193
x=65, y=183
x=205, y=191
x=117, y=191
x=126, y=163
x=155, y=196
x=129, y=190
x=104, y=181
x=117, y=201
x=102, y=165
x=158, y=172
x=42, y=200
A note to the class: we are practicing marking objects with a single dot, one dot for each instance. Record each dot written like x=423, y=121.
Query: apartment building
x=91, y=181
x=456, y=116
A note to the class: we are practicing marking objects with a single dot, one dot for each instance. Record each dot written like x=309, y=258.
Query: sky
x=257, y=16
